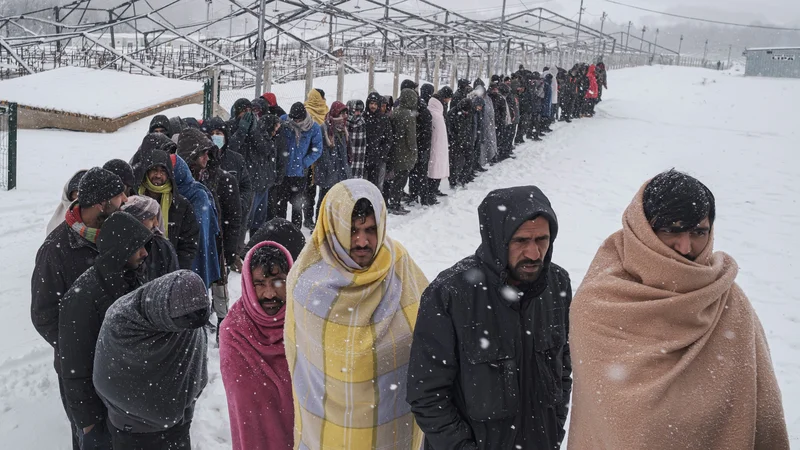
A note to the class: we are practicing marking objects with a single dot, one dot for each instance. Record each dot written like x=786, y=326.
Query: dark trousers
x=523, y=127
x=457, y=161
x=418, y=185
x=295, y=190
x=433, y=186
x=277, y=202
x=322, y=193
x=310, y=198
x=258, y=211
x=175, y=438
x=75, y=431
x=395, y=187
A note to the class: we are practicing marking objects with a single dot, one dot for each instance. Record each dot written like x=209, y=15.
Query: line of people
x=341, y=341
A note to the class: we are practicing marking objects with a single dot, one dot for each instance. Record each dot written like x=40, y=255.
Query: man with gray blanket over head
x=151, y=364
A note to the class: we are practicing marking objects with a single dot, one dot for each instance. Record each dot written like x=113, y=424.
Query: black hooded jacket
x=222, y=185
x=233, y=163
x=183, y=228
x=378, y=129
x=160, y=122
x=61, y=259
x=257, y=151
x=490, y=368
x=278, y=151
x=84, y=307
x=461, y=128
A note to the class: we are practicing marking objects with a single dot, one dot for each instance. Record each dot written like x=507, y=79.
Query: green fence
x=8, y=146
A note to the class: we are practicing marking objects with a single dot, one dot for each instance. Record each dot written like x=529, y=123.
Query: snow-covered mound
x=738, y=135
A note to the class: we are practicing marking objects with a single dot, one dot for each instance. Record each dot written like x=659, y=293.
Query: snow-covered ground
x=738, y=135
x=100, y=93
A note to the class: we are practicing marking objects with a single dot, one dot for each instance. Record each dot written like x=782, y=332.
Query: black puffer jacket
x=256, y=150
x=222, y=185
x=85, y=305
x=233, y=163
x=491, y=369
x=183, y=229
x=279, y=156
x=379, y=133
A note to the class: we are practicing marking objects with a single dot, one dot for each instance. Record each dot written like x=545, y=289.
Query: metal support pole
x=268, y=76
x=417, y=69
x=454, y=72
x=113, y=40
x=230, y=24
x=628, y=40
x=641, y=42
x=309, y=75
x=396, y=84
x=655, y=44
x=385, y=35
x=680, y=45
x=260, y=48
x=340, y=81
x=705, y=53
x=502, y=29
x=730, y=49
x=436, y=64
x=371, y=76
x=578, y=31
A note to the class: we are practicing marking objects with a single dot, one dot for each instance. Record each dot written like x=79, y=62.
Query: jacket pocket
x=549, y=348
x=489, y=376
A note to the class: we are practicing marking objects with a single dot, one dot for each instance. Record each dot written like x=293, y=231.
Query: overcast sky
x=783, y=12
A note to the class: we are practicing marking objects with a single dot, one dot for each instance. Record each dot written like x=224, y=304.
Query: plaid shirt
x=357, y=147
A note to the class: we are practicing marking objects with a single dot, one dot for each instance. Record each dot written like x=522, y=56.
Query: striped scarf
x=74, y=221
x=166, y=200
x=348, y=333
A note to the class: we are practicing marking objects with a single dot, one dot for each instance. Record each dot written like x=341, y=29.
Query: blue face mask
x=218, y=140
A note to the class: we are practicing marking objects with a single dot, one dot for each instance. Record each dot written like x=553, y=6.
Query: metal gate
x=8, y=146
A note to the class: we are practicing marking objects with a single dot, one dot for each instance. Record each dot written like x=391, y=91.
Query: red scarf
x=254, y=370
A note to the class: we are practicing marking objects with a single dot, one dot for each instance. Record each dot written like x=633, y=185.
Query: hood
x=121, y=237
x=261, y=104
x=239, y=106
x=154, y=158
x=270, y=98
x=463, y=85
x=445, y=92
x=267, y=124
x=193, y=143
x=72, y=186
x=281, y=231
x=478, y=82
x=176, y=125
x=477, y=101
x=426, y=92
x=434, y=105
x=160, y=121
x=336, y=108
x=372, y=97
x=408, y=99
x=465, y=105
x=251, y=304
x=216, y=123
x=501, y=213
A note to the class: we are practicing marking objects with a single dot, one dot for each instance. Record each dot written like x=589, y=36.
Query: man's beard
x=524, y=277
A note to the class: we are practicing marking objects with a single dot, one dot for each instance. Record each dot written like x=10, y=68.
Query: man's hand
x=236, y=264
x=246, y=123
x=89, y=429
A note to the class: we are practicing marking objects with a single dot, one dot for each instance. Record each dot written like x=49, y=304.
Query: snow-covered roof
x=771, y=48
x=100, y=93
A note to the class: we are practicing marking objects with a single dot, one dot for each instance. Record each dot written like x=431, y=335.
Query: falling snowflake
x=484, y=343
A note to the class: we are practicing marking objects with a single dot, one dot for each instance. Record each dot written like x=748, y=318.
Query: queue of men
x=342, y=341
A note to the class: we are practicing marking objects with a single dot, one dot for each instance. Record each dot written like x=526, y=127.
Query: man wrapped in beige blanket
x=667, y=350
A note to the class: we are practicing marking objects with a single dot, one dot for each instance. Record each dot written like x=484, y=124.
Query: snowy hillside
x=739, y=136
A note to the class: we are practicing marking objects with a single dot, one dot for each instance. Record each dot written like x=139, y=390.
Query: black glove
x=246, y=122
